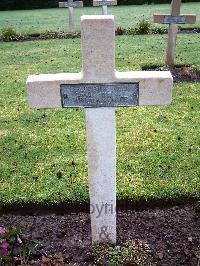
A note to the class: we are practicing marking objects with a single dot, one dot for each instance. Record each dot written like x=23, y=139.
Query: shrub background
x=32, y=4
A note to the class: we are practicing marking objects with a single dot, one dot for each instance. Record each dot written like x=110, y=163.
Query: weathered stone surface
x=44, y=89
x=101, y=151
x=98, y=53
x=155, y=87
x=98, y=48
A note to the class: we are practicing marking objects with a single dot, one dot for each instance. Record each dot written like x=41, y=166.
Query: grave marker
x=104, y=4
x=95, y=87
x=70, y=5
x=173, y=19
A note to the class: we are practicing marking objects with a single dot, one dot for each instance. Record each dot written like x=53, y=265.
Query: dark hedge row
x=31, y=4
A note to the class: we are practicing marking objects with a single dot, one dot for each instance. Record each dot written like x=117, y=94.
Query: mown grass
x=39, y=21
x=43, y=152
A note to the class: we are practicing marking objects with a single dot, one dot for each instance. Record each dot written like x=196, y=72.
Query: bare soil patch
x=171, y=233
x=187, y=73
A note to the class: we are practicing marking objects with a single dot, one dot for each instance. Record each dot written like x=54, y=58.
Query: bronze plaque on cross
x=174, y=20
x=99, y=95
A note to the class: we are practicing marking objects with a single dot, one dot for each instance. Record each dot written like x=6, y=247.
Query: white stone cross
x=70, y=5
x=98, y=69
x=104, y=4
x=173, y=19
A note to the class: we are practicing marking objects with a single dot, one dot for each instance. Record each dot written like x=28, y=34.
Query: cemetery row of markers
x=71, y=4
x=173, y=20
x=99, y=89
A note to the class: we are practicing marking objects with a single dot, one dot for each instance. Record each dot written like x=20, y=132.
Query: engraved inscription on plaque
x=99, y=95
x=175, y=19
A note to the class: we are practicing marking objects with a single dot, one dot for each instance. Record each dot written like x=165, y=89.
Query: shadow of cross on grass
x=99, y=88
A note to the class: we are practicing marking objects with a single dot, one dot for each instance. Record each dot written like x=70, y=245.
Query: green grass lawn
x=157, y=147
x=38, y=21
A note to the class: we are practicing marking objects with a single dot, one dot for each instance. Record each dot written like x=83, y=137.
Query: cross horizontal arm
x=155, y=87
x=79, y=3
x=71, y=4
x=98, y=33
x=183, y=19
x=44, y=89
x=104, y=3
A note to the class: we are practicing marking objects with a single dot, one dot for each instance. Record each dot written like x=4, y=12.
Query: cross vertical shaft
x=175, y=7
x=70, y=5
x=98, y=48
x=104, y=4
x=71, y=19
x=101, y=151
x=172, y=34
x=104, y=10
x=71, y=16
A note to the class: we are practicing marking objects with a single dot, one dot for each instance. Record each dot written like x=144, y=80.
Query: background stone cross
x=70, y=5
x=173, y=19
x=104, y=4
x=98, y=69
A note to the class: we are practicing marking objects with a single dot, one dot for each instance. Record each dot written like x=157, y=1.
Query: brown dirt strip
x=171, y=233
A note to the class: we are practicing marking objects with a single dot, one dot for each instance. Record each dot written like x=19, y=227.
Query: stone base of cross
x=100, y=88
x=173, y=19
x=70, y=5
x=104, y=4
